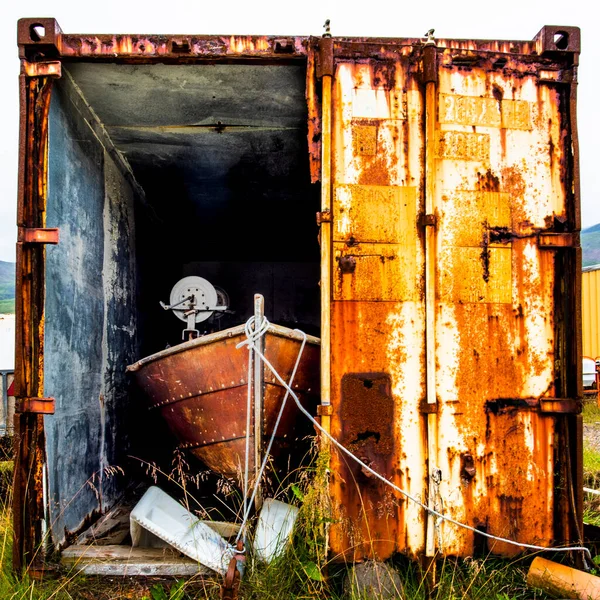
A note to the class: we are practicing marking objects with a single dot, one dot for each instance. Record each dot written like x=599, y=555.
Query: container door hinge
x=430, y=68
x=428, y=408
x=324, y=409
x=560, y=405
x=323, y=217
x=551, y=241
x=40, y=406
x=38, y=235
x=325, y=67
x=50, y=68
x=428, y=221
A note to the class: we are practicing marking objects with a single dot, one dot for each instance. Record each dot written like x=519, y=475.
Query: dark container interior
x=156, y=172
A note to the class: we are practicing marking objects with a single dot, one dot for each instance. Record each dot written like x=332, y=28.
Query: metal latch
x=41, y=406
x=31, y=235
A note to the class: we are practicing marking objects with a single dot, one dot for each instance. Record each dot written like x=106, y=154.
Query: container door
x=454, y=319
x=377, y=308
x=504, y=202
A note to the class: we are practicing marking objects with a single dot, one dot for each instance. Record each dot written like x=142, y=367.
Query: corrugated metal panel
x=590, y=301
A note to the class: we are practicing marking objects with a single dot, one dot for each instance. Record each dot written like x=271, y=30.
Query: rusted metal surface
x=181, y=46
x=28, y=504
x=502, y=225
x=201, y=387
x=450, y=246
x=42, y=406
x=39, y=235
x=377, y=309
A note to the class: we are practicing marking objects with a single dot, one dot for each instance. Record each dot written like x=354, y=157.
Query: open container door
x=35, y=84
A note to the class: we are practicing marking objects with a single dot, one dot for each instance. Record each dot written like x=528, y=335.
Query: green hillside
x=7, y=287
x=590, y=243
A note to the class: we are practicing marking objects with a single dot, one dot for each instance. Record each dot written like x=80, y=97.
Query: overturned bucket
x=274, y=529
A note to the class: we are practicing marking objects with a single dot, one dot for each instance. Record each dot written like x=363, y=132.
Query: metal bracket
x=50, y=68
x=324, y=217
x=41, y=406
x=38, y=38
x=553, y=39
x=324, y=410
x=428, y=408
x=430, y=70
x=428, y=221
x=551, y=241
x=32, y=235
x=544, y=405
x=325, y=65
x=560, y=405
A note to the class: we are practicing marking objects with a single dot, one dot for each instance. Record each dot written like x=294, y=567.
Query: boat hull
x=200, y=388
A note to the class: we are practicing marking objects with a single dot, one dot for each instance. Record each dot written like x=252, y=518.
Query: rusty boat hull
x=200, y=388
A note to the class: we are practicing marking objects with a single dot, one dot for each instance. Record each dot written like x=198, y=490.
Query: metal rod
x=430, y=273
x=259, y=313
x=326, y=252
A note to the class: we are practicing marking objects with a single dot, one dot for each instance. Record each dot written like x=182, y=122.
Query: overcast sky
x=510, y=19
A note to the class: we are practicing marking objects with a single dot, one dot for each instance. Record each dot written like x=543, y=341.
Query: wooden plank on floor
x=128, y=561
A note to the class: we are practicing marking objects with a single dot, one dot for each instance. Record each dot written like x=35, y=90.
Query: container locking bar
x=38, y=235
x=543, y=405
x=40, y=406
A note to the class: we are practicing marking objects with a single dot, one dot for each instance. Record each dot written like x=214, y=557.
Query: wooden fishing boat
x=200, y=387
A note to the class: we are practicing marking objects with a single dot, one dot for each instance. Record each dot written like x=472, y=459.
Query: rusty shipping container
x=442, y=273
x=590, y=304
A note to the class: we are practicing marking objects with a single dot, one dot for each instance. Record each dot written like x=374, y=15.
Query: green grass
x=591, y=411
x=303, y=572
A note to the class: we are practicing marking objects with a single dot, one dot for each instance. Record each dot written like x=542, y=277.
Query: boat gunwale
x=225, y=334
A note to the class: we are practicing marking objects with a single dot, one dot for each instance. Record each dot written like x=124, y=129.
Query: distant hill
x=7, y=287
x=590, y=243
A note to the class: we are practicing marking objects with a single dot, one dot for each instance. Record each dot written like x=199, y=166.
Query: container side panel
x=89, y=322
x=377, y=372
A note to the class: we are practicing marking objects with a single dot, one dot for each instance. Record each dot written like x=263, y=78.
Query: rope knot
x=253, y=334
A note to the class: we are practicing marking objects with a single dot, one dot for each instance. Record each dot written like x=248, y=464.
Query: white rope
x=251, y=338
x=400, y=490
x=248, y=421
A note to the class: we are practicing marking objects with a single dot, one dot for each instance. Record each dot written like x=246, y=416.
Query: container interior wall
x=220, y=189
x=90, y=328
